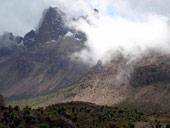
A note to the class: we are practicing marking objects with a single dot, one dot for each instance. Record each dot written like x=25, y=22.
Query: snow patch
x=69, y=34
x=52, y=41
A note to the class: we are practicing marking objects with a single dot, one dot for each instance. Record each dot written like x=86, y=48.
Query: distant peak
x=51, y=27
x=95, y=10
x=54, y=11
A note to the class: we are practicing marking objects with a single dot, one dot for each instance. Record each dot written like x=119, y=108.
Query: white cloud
x=133, y=28
x=110, y=34
x=128, y=25
x=133, y=7
x=19, y=16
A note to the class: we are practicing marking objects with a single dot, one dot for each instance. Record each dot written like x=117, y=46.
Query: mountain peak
x=52, y=26
x=8, y=40
x=96, y=10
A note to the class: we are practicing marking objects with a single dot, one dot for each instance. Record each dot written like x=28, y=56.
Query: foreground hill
x=143, y=84
x=80, y=115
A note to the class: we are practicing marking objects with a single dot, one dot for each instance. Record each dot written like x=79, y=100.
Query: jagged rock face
x=148, y=75
x=9, y=43
x=81, y=36
x=52, y=26
x=151, y=70
x=2, y=102
x=30, y=39
x=8, y=40
x=96, y=10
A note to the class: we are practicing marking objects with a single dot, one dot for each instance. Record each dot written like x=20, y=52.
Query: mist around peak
x=131, y=27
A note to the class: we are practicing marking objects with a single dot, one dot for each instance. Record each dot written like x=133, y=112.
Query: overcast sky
x=19, y=16
x=130, y=25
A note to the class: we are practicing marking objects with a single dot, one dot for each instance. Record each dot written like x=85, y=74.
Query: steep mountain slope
x=142, y=84
x=40, y=62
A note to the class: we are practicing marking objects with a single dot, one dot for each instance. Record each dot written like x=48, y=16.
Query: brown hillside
x=142, y=84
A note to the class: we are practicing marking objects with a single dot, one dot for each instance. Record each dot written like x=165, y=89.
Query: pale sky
x=132, y=26
x=19, y=16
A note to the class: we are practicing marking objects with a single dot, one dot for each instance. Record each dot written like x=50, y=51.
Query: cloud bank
x=19, y=16
x=107, y=35
x=129, y=26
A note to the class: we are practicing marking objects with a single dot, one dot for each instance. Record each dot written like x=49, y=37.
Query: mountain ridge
x=40, y=62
